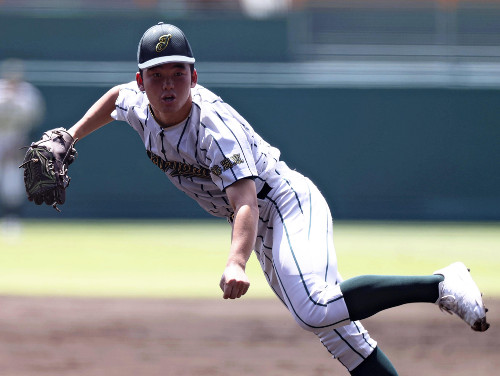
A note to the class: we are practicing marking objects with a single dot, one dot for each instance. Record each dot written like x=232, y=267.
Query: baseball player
x=210, y=152
x=21, y=109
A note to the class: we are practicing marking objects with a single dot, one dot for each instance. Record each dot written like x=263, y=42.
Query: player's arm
x=243, y=198
x=97, y=116
x=46, y=161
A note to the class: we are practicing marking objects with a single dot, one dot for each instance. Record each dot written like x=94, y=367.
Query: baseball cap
x=163, y=43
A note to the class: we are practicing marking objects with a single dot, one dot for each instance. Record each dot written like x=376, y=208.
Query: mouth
x=168, y=98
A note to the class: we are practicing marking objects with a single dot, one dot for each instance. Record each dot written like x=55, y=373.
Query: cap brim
x=166, y=59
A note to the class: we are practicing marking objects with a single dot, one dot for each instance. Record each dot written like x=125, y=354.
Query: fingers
x=234, y=289
x=222, y=283
x=49, y=200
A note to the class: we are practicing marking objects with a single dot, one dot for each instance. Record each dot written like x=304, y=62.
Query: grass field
x=186, y=259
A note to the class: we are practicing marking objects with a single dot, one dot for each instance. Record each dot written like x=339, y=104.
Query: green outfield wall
x=376, y=153
x=379, y=153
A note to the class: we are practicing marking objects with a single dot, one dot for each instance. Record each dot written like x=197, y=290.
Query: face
x=168, y=88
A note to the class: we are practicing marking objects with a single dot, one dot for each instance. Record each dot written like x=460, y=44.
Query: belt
x=264, y=191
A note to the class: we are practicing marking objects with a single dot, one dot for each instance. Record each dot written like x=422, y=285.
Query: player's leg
x=305, y=267
x=298, y=258
x=377, y=364
x=304, y=275
x=452, y=288
x=308, y=283
x=353, y=347
x=368, y=294
x=307, y=263
x=356, y=350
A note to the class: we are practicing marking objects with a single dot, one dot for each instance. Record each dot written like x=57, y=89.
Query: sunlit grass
x=187, y=258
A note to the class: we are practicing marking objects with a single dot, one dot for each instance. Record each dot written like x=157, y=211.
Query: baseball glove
x=46, y=167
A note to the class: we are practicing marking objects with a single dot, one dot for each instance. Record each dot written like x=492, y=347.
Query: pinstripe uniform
x=213, y=148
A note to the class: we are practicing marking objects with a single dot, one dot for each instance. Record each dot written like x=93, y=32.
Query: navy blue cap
x=161, y=44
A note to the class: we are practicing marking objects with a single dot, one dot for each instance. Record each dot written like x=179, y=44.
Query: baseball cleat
x=459, y=294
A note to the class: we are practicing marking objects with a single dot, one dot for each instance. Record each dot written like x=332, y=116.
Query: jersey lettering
x=226, y=164
x=233, y=160
x=236, y=158
x=179, y=168
x=216, y=170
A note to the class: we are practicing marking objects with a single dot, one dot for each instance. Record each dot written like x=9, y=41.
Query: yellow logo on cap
x=163, y=42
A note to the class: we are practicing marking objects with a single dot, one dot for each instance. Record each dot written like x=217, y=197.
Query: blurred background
x=390, y=106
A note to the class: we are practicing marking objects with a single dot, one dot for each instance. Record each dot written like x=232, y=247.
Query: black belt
x=264, y=191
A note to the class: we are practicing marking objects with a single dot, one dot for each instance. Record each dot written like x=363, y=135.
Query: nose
x=168, y=83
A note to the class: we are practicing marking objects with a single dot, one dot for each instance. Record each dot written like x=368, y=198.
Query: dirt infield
x=108, y=337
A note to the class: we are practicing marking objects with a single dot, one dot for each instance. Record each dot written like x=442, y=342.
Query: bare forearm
x=244, y=233
x=97, y=116
x=234, y=282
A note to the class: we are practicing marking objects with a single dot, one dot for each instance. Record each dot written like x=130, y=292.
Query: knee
x=319, y=319
x=320, y=310
x=351, y=345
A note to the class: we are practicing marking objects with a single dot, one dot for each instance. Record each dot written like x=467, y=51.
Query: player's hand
x=234, y=282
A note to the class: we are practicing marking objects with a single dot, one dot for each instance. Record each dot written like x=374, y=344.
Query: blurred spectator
x=21, y=109
x=264, y=8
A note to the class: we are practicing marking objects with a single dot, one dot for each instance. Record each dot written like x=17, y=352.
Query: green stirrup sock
x=366, y=295
x=377, y=364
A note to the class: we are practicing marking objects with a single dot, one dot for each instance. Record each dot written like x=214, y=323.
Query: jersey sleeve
x=127, y=97
x=228, y=151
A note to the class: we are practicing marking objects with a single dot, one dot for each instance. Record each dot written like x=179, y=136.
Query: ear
x=194, y=78
x=140, y=83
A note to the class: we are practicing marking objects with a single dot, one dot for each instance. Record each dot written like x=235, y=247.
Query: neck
x=168, y=120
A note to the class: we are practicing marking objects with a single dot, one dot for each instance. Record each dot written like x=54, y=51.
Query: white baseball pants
x=296, y=251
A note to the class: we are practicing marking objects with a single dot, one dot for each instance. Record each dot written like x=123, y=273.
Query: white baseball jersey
x=203, y=155
x=213, y=148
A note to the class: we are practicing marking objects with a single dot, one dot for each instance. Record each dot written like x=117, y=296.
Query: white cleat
x=459, y=294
